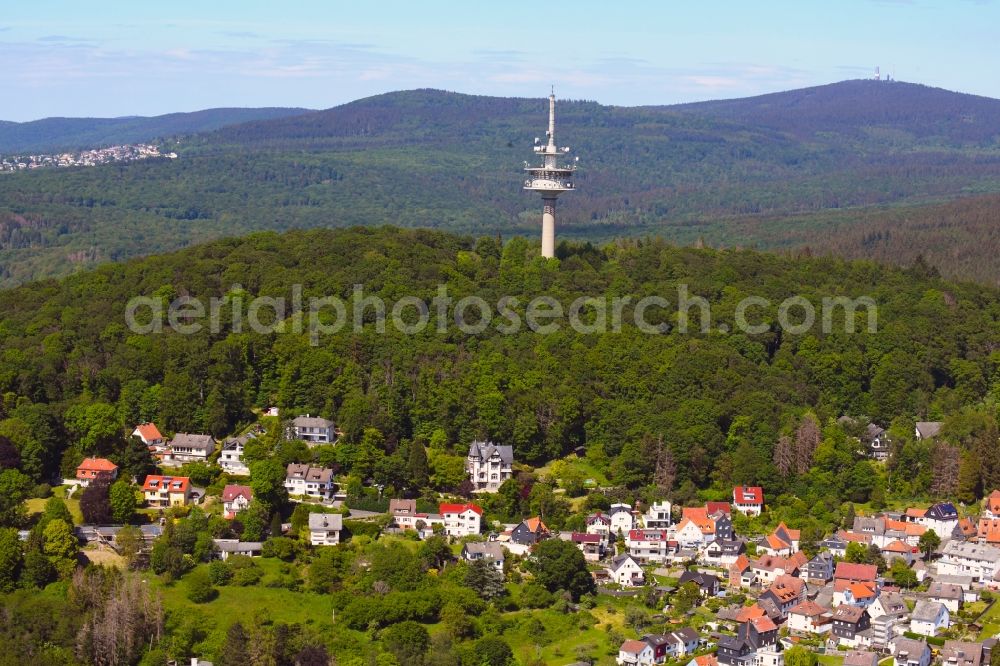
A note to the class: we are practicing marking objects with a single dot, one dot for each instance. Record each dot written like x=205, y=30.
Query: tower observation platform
x=550, y=179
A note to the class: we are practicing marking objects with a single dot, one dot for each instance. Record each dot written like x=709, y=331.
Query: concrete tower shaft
x=550, y=179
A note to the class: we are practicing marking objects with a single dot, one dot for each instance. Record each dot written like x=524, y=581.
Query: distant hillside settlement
x=110, y=155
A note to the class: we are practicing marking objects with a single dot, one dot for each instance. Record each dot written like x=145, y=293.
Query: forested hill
x=54, y=134
x=73, y=375
x=427, y=158
x=863, y=107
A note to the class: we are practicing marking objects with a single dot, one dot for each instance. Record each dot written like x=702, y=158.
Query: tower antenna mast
x=550, y=179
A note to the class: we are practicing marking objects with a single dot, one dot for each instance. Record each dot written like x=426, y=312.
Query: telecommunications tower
x=550, y=179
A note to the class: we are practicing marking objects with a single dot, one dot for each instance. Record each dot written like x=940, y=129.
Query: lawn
x=990, y=622
x=37, y=505
x=830, y=659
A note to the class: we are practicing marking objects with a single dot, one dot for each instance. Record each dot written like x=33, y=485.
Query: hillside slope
x=428, y=158
x=52, y=134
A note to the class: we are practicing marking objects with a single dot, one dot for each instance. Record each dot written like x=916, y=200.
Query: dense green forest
x=74, y=378
x=55, y=134
x=442, y=160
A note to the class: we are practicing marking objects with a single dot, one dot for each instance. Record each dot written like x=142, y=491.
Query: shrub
x=199, y=587
x=42, y=491
x=219, y=573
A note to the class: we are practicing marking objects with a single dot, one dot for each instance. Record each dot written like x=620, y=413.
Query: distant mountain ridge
x=54, y=134
x=775, y=171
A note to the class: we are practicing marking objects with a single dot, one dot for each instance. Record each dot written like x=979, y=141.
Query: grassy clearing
x=830, y=659
x=36, y=505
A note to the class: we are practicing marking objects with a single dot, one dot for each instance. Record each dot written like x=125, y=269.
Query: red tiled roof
x=582, y=537
x=807, y=608
x=914, y=512
x=707, y=660
x=993, y=502
x=764, y=623
x=232, y=491
x=741, y=563
x=748, y=613
x=856, y=572
x=97, y=465
x=149, y=431
x=898, y=546
x=712, y=507
x=158, y=480
x=459, y=508
x=862, y=590
x=648, y=535
x=633, y=646
x=535, y=524
x=748, y=495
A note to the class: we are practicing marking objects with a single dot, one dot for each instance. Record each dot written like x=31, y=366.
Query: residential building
x=848, y=572
x=96, y=469
x=648, y=545
x=929, y=617
x=324, y=528
x=979, y=561
x=676, y=643
x=635, y=653
x=949, y=594
x=991, y=505
x=704, y=660
x=741, y=573
x=312, y=430
x=599, y=524
x=708, y=585
x=658, y=516
x=849, y=624
x=784, y=593
x=808, y=617
x=835, y=543
x=622, y=520
x=782, y=542
x=877, y=440
x=529, y=532
x=910, y=652
x=491, y=551
x=897, y=550
x=888, y=603
x=306, y=481
x=860, y=658
x=461, y=519
x=589, y=544
x=752, y=637
x=187, y=448
x=886, y=627
x=626, y=571
x=149, y=435
x=166, y=491
x=235, y=498
x=962, y=653
x=224, y=548
x=231, y=456
x=855, y=594
x=748, y=500
x=723, y=553
x=820, y=568
x=489, y=465
x=928, y=429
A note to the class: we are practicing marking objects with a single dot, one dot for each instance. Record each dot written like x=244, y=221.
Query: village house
x=679, y=643
x=808, y=617
x=888, y=603
x=96, y=469
x=708, y=585
x=860, y=658
x=461, y=519
x=658, y=516
x=856, y=594
x=886, y=627
x=635, y=653
x=941, y=517
x=312, y=430
x=224, y=548
x=835, y=544
x=489, y=465
x=962, y=653
x=187, y=448
x=529, y=532
x=753, y=636
x=748, y=500
x=625, y=571
x=149, y=435
x=589, y=544
x=600, y=524
x=324, y=528
x=723, y=553
x=231, y=456
x=305, y=481
x=783, y=542
x=846, y=573
x=704, y=660
x=768, y=568
x=649, y=545
x=850, y=624
x=166, y=491
x=491, y=551
x=235, y=498
x=897, y=550
x=741, y=573
x=820, y=568
x=878, y=442
x=929, y=617
x=910, y=652
x=927, y=429
x=784, y=593
x=949, y=594
x=622, y=519
x=979, y=561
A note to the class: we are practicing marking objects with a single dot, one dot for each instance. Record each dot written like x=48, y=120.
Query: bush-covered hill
x=74, y=378
x=428, y=158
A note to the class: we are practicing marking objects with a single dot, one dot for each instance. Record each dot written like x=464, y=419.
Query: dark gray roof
x=490, y=549
x=617, y=562
x=235, y=546
x=909, y=646
x=311, y=422
x=486, y=450
x=941, y=590
x=926, y=611
x=927, y=429
x=189, y=440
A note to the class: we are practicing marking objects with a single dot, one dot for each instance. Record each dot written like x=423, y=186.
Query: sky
x=117, y=58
